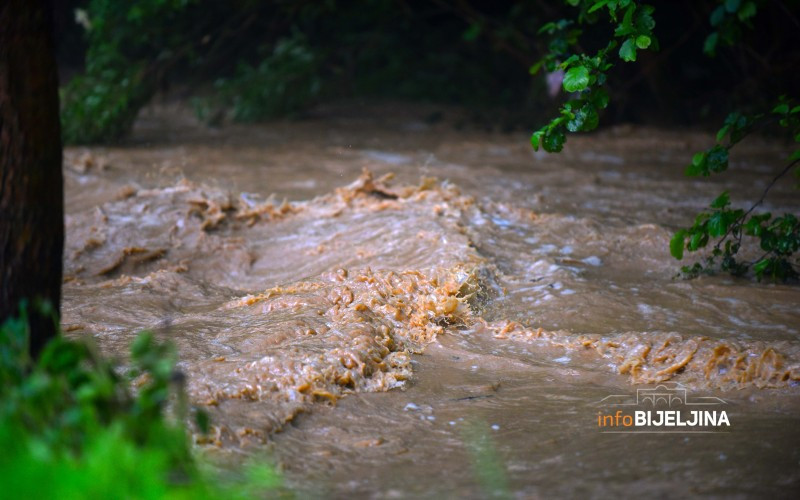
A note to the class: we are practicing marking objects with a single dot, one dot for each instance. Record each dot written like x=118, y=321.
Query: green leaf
x=473, y=32
x=753, y=227
x=717, y=159
x=643, y=41
x=568, y=61
x=536, y=139
x=717, y=16
x=761, y=266
x=576, y=79
x=676, y=244
x=626, y=28
x=710, y=45
x=627, y=52
x=692, y=171
x=553, y=141
x=698, y=240
x=795, y=156
x=142, y=345
x=644, y=19
x=549, y=28
x=732, y=5
x=584, y=119
x=698, y=165
x=599, y=98
x=747, y=11
x=721, y=201
x=717, y=225
x=598, y=5
x=781, y=109
x=722, y=133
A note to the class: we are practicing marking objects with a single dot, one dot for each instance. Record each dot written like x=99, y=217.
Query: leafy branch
x=779, y=237
x=585, y=75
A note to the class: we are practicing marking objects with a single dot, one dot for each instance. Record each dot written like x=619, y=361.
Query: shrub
x=71, y=427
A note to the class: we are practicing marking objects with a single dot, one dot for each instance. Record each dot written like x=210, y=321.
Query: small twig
x=751, y=262
x=789, y=13
x=769, y=186
x=757, y=203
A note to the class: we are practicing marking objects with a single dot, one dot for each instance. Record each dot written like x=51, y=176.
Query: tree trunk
x=31, y=181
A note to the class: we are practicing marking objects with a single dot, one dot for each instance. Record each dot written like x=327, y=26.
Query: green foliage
x=585, y=75
x=130, y=45
x=273, y=59
x=576, y=79
x=727, y=20
x=705, y=163
x=284, y=82
x=70, y=427
x=102, y=104
x=777, y=237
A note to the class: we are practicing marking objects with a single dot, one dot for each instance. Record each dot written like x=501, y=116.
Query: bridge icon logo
x=663, y=394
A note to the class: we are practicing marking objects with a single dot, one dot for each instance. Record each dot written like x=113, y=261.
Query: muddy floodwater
x=391, y=302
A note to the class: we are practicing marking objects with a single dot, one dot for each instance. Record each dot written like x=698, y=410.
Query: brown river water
x=392, y=306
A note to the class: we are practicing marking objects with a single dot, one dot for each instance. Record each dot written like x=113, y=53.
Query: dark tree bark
x=31, y=181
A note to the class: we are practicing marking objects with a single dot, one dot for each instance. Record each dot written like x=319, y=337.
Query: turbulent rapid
x=479, y=291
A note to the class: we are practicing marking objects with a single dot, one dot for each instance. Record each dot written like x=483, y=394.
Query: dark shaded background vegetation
x=253, y=60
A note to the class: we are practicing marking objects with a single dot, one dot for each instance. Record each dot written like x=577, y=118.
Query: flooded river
x=395, y=306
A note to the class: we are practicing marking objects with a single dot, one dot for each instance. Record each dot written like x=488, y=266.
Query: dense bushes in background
x=284, y=82
x=130, y=47
x=257, y=59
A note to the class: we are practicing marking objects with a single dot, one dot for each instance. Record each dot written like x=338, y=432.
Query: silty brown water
x=451, y=330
